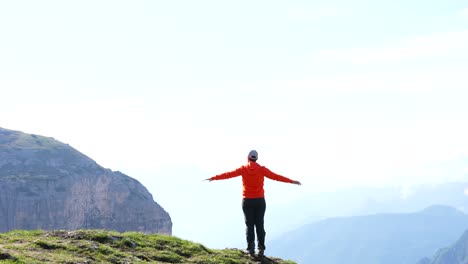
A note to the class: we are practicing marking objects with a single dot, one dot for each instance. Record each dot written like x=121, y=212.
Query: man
x=253, y=202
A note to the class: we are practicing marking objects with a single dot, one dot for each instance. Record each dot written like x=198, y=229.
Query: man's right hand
x=297, y=182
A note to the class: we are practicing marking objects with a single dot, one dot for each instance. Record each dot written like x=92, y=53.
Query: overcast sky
x=331, y=93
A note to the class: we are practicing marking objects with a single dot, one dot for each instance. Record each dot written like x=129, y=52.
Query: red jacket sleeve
x=228, y=175
x=271, y=175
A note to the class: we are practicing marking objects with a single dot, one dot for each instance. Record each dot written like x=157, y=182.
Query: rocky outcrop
x=456, y=254
x=48, y=185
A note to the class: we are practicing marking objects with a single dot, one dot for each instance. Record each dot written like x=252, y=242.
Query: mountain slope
x=380, y=238
x=456, y=254
x=49, y=185
x=98, y=246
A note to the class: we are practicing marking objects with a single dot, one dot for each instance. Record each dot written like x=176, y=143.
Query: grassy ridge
x=99, y=246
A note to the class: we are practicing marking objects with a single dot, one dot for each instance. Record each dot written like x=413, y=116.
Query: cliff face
x=46, y=184
x=456, y=254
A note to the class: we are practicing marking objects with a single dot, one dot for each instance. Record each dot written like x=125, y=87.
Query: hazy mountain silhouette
x=349, y=202
x=371, y=239
x=456, y=254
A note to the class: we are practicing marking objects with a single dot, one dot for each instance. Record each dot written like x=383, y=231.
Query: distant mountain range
x=317, y=206
x=373, y=239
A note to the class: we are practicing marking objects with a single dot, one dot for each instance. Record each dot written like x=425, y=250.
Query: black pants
x=254, y=211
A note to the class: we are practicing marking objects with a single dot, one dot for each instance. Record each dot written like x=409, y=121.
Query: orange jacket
x=252, y=179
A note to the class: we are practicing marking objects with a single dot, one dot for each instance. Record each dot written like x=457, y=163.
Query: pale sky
x=331, y=93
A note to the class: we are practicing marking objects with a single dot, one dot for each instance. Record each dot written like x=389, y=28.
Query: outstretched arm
x=226, y=175
x=271, y=175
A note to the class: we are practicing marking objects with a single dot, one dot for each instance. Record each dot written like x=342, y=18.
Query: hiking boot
x=261, y=249
x=251, y=249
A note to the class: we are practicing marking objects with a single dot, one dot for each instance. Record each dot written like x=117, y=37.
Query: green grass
x=99, y=246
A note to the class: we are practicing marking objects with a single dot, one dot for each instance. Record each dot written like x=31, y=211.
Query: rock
x=424, y=261
x=49, y=185
x=455, y=254
x=7, y=256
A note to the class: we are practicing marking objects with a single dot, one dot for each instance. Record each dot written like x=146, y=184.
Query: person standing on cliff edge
x=253, y=202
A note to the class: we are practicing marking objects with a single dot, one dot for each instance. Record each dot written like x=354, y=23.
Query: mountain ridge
x=377, y=238
x=457, y=253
